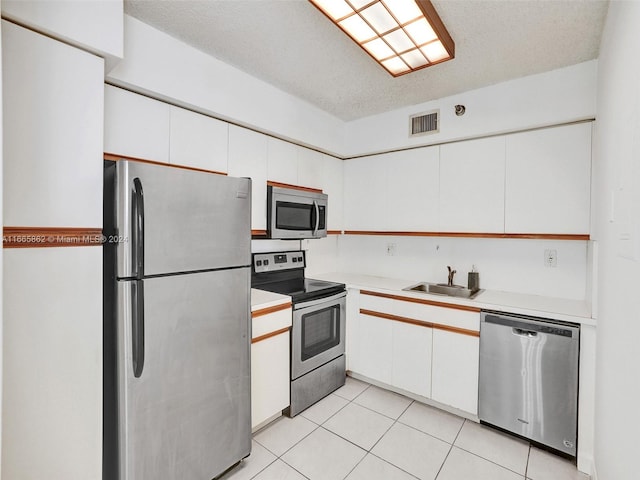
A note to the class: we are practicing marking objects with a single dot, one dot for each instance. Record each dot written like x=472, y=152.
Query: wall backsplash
x=504, y=264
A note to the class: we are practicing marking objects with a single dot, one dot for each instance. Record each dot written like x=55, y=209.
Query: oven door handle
x=320, y=301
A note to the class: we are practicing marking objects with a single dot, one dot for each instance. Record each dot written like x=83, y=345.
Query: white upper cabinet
x=310, y=168
x=198, y=141
x=53, y=121
x=472, y=186
x=365, y=184
x=332, y=183
x=548, y=179
x=282, y=161
x=136, y=126
x=248, y=158
x=412, y=193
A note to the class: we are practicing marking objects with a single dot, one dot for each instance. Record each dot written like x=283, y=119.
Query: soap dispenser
x=473, y=279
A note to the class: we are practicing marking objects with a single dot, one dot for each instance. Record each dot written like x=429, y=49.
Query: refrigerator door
x=187, y=415
x=178, y=220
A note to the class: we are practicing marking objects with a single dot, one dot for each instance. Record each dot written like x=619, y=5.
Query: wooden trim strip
x=268, y=310
x=334, y=232
x=423, y=301
x=434, y=19
x=270, y=334
x=534, y=236
x=258, y=234
x=294, y=187
x=40, y=237
x=115, y=157
x=421, y=323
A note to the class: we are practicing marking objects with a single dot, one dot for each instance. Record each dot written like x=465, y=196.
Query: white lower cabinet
x=411, y=364
x=269, y=378
x=424, y=349
x=454, y=380
x=269, y=364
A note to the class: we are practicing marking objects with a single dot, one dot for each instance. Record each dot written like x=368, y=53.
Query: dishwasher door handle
x=524, y=333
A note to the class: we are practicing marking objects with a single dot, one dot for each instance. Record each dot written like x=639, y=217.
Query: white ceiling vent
x=424, y=123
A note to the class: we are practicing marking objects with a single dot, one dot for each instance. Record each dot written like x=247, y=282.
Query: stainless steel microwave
x=296, y=214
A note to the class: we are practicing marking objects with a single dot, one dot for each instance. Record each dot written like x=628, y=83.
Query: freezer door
x=187, y=415
x=178, y=220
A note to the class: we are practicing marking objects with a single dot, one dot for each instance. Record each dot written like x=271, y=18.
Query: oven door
x=317, y=335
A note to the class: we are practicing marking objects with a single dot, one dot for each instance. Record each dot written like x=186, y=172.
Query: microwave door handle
x=317, y=222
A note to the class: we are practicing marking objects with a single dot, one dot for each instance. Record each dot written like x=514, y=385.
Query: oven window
x=294, y=216
x=320, y=331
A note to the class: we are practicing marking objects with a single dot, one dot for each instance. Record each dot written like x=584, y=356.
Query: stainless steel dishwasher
x=529, y=378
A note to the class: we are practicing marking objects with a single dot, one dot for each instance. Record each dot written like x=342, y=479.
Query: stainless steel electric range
x=318, y=331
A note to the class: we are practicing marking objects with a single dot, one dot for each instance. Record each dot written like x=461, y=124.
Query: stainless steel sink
x=443, y=289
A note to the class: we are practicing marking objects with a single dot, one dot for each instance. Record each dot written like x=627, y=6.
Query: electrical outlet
x=391, y=249
x=550, y=258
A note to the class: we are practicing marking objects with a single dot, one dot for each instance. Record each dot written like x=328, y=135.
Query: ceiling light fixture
x=401, y=35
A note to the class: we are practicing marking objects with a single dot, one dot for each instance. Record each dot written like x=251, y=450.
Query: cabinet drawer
x=264, y=324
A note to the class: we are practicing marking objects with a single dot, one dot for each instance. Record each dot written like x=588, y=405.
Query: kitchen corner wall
x=617, y=230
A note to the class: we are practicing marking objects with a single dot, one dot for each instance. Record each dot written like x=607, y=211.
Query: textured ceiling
x=293, y=46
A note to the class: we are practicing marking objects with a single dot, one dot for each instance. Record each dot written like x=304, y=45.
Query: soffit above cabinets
x=291, y=45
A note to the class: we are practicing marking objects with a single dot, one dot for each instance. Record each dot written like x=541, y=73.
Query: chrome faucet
x=451, y=274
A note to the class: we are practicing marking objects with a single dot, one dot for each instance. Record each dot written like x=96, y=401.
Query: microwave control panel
x=276, y=261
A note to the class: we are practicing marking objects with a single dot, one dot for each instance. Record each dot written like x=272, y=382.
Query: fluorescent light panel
x=401, y=35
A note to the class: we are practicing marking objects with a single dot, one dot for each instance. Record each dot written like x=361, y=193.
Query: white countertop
x=563, y=309
x=262, y=299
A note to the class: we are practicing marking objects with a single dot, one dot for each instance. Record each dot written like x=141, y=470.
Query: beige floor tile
x=324, y=409
x=324, y=456
x=490, y=444
x=374, y=468
x=284, y=434
x=351, y=388
x=383, y=401
x=413, y=451
x=431, y=420
x=279, y=470
x=359, y=425
x=547, y=466
x=462, y=465
x=259, y=459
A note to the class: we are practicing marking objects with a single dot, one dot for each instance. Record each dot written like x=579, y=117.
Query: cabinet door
x=454, y=379
x=412, y=192
x=269, y=378
x=472, y=186
x=135, y=126
x=364, y=193
x=411, y=370
x=548, y=180
x=248, y=158
x=53, y=122
x=282, y=161
x=332, y=183
x=375, y=349
x=52, y=396
x=198, y=141
x=309, y=168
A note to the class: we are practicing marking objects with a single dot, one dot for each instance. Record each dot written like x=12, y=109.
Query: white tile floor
x=362, y=432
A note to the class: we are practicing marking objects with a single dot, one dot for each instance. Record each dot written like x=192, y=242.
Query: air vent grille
x=424, y=123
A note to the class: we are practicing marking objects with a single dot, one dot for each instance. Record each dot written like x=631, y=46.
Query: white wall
x=550, y=98
x=617, y=229
x=92, y=25
x=513, y=265
x=165, y=68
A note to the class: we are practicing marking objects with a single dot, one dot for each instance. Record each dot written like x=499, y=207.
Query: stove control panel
x=276, y=261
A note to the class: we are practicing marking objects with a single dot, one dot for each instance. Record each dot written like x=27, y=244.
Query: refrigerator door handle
x=137, y=327
x=137, y=230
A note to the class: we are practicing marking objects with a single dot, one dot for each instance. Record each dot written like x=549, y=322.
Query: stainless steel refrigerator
x=177, y=332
